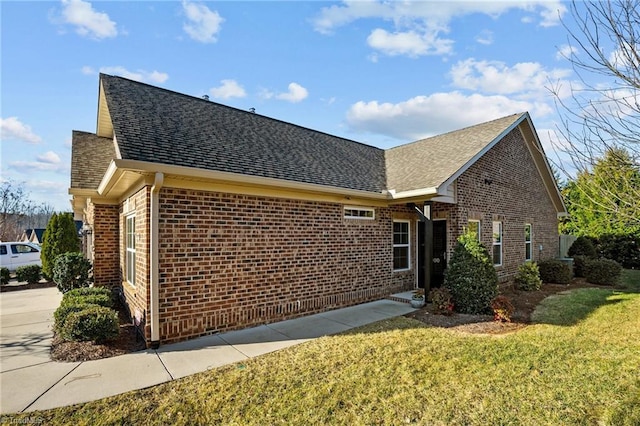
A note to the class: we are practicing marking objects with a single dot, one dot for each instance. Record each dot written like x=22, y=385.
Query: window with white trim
x=130, y=237
x=359, y=213
x=528, y=239
x=474, y=227
x=497, y=243
x=401, y=245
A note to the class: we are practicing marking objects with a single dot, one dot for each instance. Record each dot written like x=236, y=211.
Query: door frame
x=419, y=258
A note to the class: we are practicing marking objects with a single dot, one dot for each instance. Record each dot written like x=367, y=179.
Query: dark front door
x=439, y=262
x=439, y=252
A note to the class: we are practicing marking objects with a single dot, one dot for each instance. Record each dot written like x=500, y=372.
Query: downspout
x=154, y=265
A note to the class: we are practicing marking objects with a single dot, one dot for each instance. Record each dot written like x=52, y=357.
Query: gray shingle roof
x=158, y=125
x=428, y=163
x=90, y=158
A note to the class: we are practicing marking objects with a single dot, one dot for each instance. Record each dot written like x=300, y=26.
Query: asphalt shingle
x=90, y=158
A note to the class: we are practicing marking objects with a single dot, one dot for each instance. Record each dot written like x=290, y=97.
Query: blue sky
x=382, y=73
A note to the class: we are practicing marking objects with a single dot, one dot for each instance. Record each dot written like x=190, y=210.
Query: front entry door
x=439, y=253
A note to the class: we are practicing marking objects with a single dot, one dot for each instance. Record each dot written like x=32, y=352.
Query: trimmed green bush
x=603, y=271
x=87, y=291
x=64, y=310
x=471, y=277
x=71, y=270
x=624, y=249
x=583, y=246
x=94, y=323
x=528, y=277
x=579, y=265
x=60, y=237
x=29, y=273
x=94, y=299
x=5, y=275
x=554, y=271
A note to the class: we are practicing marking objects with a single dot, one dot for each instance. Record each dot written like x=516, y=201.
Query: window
x=497, y=243
x=474, y=227
x=131, y=249
x=22, y=248
x=400, y=245
x=3, y=249
x=359, y=213
x=527, y=242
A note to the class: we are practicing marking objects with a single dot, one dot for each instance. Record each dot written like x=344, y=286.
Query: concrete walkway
x=30, y=381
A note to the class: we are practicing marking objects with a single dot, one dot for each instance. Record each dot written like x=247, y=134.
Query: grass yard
x=579, y=365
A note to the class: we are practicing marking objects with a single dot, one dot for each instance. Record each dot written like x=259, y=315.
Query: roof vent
x=205, y=97
x=252, y=110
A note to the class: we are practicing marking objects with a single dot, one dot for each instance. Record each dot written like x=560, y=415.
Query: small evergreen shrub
x=441, y=299
x=64, y=310
x=71, y=270
x=87, y=291
x=94, y=299
x=583, y=246
x=528, y=277
x=603, y=271
x=59, y=237
x=471, y=278
x=579, y=265
x=554, y=271
x=5, y=275
x=94, y=323
x=29, y=273
x=502, y=308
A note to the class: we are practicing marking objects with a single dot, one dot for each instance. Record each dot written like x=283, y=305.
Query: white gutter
x=154, y=267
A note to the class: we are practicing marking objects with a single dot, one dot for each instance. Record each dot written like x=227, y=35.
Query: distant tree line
x=18, y=212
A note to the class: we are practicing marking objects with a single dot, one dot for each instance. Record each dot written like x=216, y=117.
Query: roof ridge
x=102, y=75
x=456, y=130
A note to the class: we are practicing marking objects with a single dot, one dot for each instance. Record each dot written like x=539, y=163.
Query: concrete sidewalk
x=30, y=381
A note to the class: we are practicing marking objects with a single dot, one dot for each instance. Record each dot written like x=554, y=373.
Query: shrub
x=603, y=271
x=471, y=278
x=5, y=275
x=59, y=237
x=29, y=273
x=624, y=249
x=441, y=299
x=71, y=270
x=99, y=295
x=502, y=308
x=94, y=323
x=64, y=310
x=528, y=277
x=583, y=246
x=579, y=265
x=554, y=271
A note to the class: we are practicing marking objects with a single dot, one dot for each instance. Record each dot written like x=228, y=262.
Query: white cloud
x=13, y=129
x=410, y=43
x=87, y=21
x=47, y=162
x=498, y=78
x=485, y=37
x=139, y=75
x=565, y=52
x=424, y=116
x=228, y=89
x=295, y=94
x=416, y=28
x=204, y=24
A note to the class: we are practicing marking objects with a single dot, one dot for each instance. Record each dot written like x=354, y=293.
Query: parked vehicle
x=16, y=254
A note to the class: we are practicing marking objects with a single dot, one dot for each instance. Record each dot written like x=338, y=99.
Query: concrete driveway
x=26, y=319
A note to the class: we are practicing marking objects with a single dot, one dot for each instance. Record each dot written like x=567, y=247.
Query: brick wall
x=104, y=221
x=137, y=295
x=230, y=261
x=505, y=185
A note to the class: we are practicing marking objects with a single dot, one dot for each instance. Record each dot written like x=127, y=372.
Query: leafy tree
x=60, y=237
x=601, y=113
x=597, y=200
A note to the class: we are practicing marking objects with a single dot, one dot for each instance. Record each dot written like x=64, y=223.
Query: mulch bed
x=15, y=285
x=128, y=341
x=524, y=303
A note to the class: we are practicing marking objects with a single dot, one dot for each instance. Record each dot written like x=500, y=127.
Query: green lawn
x=578, y=366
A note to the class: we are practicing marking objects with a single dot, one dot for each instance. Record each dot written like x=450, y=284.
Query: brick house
x=209, y=218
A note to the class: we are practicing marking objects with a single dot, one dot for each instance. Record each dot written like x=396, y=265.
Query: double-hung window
x=130, y=237
x=528, y=255
x=474, y=228
x=401, y=245
x=497, y=243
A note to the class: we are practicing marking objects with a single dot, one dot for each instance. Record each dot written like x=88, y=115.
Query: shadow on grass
x=571, y=307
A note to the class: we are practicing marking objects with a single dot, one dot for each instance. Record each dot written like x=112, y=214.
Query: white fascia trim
x=412, y=193
x=118, y=166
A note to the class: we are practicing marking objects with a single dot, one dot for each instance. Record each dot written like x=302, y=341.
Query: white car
x=16, y=254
